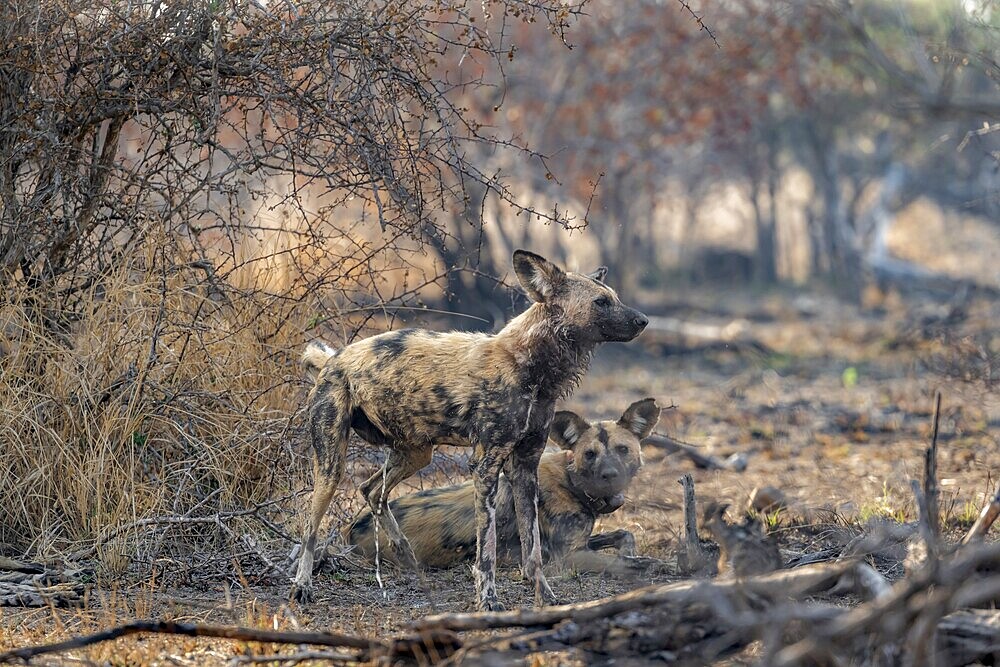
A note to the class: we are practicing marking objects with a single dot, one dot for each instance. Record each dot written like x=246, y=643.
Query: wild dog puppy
x=575, y=486
x=410, y=390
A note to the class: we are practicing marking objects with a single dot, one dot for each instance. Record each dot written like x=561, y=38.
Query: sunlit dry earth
x=833, y=407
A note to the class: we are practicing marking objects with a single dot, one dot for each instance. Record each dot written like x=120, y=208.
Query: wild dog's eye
x=602, y=302
x=622, y=449
x=590, y=455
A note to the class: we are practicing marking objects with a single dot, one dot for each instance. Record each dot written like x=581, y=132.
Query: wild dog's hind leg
x=522, y=471
x=485, y=477
x=329, y=425
x=400, y=464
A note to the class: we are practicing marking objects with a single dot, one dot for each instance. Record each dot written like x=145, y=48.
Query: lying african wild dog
x=410, y=390
x=575, y=486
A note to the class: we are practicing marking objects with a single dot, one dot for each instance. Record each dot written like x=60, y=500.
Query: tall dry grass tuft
x=158, y=395
x=174, y=390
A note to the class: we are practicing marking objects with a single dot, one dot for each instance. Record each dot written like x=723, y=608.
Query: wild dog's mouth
x=599, y=499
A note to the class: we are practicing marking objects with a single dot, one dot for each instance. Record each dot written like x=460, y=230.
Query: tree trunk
x=765, y=266
x=470, y=285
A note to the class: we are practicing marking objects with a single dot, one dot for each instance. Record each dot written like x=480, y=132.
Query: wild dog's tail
x=315, y=356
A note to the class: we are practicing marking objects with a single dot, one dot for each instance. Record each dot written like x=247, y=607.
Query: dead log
x=691, y=622
x=34, y=585
x=784, y=584
x=30, y=595
x=17, y=566
x=676, y=335
x=691, y=557
x=673, y=446
x=968, y=636
x=887, y=618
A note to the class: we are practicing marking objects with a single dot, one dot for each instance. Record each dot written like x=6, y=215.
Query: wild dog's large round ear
x=566, y=429
x=599, y=274
x=539, y=277
x=641, y=417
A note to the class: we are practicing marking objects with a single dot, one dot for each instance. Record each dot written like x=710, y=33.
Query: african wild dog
x=410, y=390
x=575, y=486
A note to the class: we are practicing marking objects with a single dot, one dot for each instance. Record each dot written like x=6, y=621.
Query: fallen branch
x=294, y=658
x=789, y=584
x=684, y=334
x=366, y=645
x=985, y=521
x=18, y=566
x=881, y=619
x=32, y=595
x=674, y=446
x=34, y=585
x=968, y=636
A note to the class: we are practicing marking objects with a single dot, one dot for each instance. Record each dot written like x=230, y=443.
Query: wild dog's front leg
x=620, y=540
x=522, y=470
x=485, y=477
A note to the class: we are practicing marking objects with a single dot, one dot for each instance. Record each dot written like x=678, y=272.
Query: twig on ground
x=294, y=658
x=186, y=519
x=366, y=645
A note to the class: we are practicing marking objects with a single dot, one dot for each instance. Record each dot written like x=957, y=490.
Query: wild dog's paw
x=491, y=604
x=548, y=598
x=627, y=545
x=301, y=593
x=544, y=597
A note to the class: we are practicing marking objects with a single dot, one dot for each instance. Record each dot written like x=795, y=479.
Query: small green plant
x=881, y=510
x=968, y=515
x=772, y=520
x=883, y=507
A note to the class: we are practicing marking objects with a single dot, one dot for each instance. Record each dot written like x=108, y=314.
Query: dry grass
x=153, y=399
x=164, y=390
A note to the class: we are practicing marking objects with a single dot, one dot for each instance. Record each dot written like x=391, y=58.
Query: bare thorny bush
x=188, y=192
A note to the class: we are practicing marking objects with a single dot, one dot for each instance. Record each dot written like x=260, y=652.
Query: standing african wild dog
x=410, y=390
x=575, y=486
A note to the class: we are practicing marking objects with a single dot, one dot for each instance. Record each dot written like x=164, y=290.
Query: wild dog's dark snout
x=628, y=325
